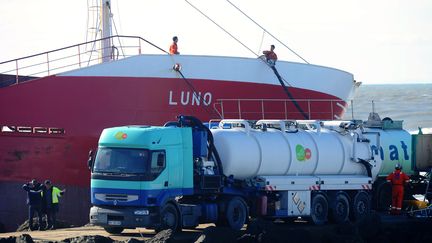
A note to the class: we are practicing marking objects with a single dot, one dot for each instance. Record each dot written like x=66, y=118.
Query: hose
x=304, y=114
x=195, y=122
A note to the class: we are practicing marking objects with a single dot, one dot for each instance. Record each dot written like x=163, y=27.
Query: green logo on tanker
x=303, y=154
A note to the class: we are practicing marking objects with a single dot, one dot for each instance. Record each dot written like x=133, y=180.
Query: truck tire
x=114, y=230
x=360, y=206
x=236, y=213
x=340, y=209
x=170, y=218
x=319, y=209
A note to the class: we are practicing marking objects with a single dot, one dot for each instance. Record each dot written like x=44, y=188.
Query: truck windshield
x=122, y=161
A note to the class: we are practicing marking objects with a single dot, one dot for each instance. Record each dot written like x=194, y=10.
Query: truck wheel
x=114, y=230
x=319, y=209
x=360, y=206
x=339, y=212
x=170, y=218
x=236, y=213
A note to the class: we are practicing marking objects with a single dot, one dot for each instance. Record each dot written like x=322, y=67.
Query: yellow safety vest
x=55, y=194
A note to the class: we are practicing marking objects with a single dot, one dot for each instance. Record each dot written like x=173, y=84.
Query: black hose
x=367, y=166
x=195, y=93
x=196, y=123
x=172, y=124
x=305, y=115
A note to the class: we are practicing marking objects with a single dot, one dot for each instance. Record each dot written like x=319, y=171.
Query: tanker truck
x=184, y=173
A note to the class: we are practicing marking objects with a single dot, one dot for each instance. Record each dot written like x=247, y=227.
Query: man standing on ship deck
x=173, y=48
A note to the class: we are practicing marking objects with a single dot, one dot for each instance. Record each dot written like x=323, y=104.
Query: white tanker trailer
x=305, y=168
x=248, y=153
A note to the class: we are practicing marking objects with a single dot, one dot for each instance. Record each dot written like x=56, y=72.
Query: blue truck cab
x=136, y=170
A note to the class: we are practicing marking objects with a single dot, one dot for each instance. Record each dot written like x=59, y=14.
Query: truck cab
x=135, y=174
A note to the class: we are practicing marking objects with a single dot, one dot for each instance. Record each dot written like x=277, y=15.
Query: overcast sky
x=379, y=41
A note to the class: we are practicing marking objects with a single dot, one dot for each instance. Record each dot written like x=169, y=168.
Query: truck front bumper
x=124, y=217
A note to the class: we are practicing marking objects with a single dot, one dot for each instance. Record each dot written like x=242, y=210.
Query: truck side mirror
x=160, y=160
x=90, y=159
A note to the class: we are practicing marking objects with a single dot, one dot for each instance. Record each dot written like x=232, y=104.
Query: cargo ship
x=54, y=105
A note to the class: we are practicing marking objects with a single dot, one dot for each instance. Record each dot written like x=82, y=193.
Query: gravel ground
x=376, y=228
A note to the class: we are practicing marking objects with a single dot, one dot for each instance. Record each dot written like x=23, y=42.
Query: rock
x=133, y=240
x=24, y=238
x=88, y=239
x=218, y=234
x=59, y=224
x=162, y=237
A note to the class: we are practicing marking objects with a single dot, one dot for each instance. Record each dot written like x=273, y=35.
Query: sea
x=411, y=103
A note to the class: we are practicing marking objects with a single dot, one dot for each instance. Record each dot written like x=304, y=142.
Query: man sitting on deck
x=270, y=56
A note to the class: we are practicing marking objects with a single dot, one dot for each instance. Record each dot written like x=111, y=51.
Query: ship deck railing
x=254, y=109
x=69, y=58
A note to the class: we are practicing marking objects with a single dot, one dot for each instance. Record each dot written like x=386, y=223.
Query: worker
x=34, y=202
x=51, y=196
x=397, y=179
x=270, y=56
x=173, y=48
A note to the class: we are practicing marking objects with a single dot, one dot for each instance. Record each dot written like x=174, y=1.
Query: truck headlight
x=141, y=212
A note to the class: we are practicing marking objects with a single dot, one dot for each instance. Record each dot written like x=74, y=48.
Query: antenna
x=106, y=31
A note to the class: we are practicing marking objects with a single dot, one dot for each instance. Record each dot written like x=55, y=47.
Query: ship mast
x=106, y=15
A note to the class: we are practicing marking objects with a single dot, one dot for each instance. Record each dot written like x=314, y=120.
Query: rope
x=281, y=79
x=232, y=36
x=262, y=40
x=121, y=46
x=267, y=31
x=195, y=93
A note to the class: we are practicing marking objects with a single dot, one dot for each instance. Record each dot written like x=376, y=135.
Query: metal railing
x=69, y=58
x=279, y=108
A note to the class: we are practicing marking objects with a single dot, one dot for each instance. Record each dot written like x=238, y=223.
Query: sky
x=379, y=42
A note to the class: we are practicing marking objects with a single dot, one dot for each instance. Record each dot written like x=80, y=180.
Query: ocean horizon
x=411, y=103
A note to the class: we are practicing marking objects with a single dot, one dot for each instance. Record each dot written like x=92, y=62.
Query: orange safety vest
x=270, y=55
x=173, y=49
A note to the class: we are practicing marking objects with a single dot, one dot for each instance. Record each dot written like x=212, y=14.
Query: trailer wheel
x=319, y=209
x=360, y=206
x=340, y=209
x=236, y=213
x=170, y=218
x=114, y=230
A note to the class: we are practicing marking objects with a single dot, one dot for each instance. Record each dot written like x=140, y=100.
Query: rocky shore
x=375, y=228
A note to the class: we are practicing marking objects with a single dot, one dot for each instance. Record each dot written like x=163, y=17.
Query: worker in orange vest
x=270, y=56
x=173, y=48
x=398, y=179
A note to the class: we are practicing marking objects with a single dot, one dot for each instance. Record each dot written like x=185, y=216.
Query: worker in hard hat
x=398, y=179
